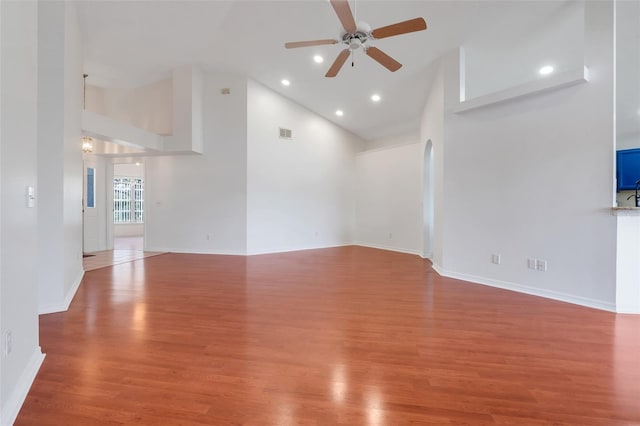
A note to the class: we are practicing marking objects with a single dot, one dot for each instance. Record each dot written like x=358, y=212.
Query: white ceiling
x=133, y=43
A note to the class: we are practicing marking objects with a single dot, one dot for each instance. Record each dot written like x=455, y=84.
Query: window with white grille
x=128, y=200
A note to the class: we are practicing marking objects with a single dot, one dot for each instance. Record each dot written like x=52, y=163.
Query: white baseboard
x=64, y=305
x=194, y=251
x=389, y=248
x=244, y=253
x=290, y=249
x=11, y=407
x=547, y=294
x=628, y=309
x=438, y=269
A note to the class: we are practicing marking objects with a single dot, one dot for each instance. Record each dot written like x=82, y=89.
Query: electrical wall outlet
x=495, y=259
x=541, y=265
x=531, y=263
x=7, y=343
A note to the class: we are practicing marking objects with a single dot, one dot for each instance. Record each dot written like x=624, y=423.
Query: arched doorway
x=428, y=201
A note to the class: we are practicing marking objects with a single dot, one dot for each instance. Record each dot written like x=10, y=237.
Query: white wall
x=432, y=129
x=59, y=155
x=73, y=169
x=494, y=63
x=148, y=107
x=628, y=268
x=628, y=140
x=18, y=224
x=128, y=169
x=137, y=116
x=627, y=69
x=50, y=152
x=300, y=192
x=95, y=220
x=389, y=195
x=522, y=189
x=128, y=230
x=197, y=203
x=394, y=140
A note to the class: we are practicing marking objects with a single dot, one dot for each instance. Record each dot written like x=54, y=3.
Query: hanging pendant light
x=87, y=144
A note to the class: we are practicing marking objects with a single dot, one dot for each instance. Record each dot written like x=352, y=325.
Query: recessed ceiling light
x=318, y=59
x=375, y=97
x=546, y=70
x=285, y=82
x=137, y=164
x=339, y=113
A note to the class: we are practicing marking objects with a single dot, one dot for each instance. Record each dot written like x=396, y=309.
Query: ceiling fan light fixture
x=355, y=43
x=356, y=35
x=318, y=59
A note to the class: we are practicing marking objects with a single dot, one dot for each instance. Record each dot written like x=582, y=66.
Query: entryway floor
x=126, y=249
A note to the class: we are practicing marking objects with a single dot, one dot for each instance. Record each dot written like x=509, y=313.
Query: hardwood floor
x=346, y=336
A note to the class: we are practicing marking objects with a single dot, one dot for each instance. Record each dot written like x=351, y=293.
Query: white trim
x=389, y=248
x=384, y=148
x=259, y=252
x=194, y=251
x=64, y=306
x=628, y=309
x=546, y=84
x=427, y=256
x=245, y=253
x=438, y=269
x=547, y=294
x=12, y=406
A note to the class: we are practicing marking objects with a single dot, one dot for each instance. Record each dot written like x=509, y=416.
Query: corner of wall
x=12, y=405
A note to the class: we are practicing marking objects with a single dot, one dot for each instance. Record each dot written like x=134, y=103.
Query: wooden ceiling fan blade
x=385, y=60
x=294, y=44
x=338, y=63
x=343, y=10
x=410, y=26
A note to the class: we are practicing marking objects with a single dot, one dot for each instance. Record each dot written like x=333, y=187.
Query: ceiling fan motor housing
x=355, y=40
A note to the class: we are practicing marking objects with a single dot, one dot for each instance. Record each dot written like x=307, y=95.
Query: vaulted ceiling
x=133, y=43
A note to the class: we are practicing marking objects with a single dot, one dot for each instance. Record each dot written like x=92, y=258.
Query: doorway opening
x=428, y=201
x=127, y=218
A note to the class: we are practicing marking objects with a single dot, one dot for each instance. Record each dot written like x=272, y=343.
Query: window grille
x=128, y=200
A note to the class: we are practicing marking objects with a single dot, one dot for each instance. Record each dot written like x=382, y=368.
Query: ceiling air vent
x=285, y=133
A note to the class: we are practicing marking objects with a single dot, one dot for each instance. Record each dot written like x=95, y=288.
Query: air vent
x=285, y=133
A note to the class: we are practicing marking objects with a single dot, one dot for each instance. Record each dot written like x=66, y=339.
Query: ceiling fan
x=357, y=36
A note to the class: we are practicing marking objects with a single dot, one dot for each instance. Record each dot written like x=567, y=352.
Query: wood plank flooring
x=344, y=336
